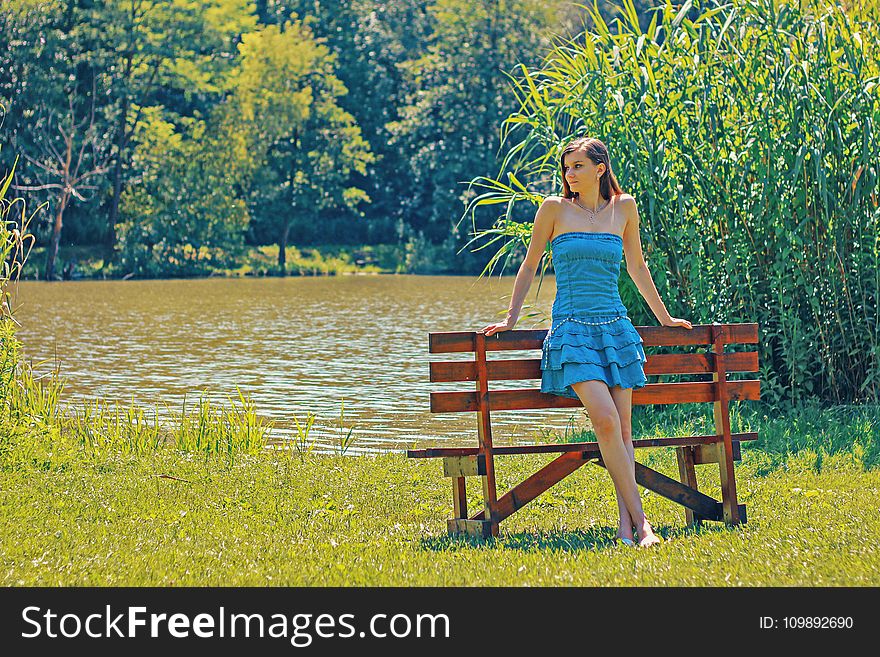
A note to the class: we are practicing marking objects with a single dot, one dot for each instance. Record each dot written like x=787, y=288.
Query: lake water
x=294, y=345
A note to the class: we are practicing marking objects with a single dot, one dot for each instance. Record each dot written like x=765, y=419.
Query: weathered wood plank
x=678, y=493
x=459, y=498
x=458, y=341
x=530, y=368
x=722, y=426
x=671, y=336
x=464, y=466
x=499, y=370
x=588, y=447
x=478, y=528
x=705, y=454
x=659, y=364
x=533, y=398
x=468, y=402
x=653, y=336
x=524, y=492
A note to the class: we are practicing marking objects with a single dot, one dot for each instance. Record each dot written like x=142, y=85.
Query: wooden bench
x=722, y=447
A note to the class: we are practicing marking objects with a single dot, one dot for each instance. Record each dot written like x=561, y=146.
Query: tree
x=63, y=158
x=305, y=145
x=370, y=38
x=181, y=215
x=457, y=101
x=171, y=53
x=36, y=68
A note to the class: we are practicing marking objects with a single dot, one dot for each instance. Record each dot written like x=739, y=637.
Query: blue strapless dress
x=591, y=336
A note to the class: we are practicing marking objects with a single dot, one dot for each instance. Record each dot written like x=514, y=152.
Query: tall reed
x=746, y=131
x=20, y=412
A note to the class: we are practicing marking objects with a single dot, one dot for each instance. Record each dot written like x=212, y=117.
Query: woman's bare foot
x=647, y=537
x=625, y=530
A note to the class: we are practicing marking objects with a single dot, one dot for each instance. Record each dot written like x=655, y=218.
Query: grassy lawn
x=273, y=518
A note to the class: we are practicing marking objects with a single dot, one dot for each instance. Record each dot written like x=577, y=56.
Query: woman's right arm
x=545, y=220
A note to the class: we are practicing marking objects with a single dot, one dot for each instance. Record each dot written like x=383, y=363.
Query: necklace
x=591, y=213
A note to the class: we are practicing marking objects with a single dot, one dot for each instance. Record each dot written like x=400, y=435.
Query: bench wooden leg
x=459, y=498
x=484, y=435
x=477, y=528
x=734, y=512
x=721, y=412
x=688, y=475
x=460, y=524
x=490, y=504
x=458, y=468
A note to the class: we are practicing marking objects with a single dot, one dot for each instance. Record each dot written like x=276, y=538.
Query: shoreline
x=85, y=263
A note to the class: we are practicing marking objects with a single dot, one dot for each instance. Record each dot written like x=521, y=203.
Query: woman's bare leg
x=623, y=401
x=596, y=398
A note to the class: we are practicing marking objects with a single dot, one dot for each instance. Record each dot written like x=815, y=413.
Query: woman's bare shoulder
x=553, y=200
x=551, y=205
x=626, y=203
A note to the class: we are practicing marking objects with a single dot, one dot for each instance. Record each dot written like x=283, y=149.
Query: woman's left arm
x=638, y=269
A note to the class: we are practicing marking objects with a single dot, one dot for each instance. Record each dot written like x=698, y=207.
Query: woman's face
x=581, y=171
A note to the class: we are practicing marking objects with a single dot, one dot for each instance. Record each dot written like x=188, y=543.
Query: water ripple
x=294, y=345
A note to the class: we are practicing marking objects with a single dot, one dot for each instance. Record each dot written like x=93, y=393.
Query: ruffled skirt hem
x=575, y=352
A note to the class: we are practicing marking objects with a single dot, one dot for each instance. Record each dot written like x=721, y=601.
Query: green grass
x=73, y=517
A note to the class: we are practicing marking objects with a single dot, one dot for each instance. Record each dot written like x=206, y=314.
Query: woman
x=592, y=351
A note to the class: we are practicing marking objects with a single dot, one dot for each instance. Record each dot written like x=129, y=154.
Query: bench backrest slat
x=533, y=398
x=653, y=336
x=530, y=368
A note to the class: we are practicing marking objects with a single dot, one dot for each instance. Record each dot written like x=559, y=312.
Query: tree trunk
x=291, y=200
x=263, y=14
x=121, y=145
x=282, y=250
x=110, y=241
x=52, y=252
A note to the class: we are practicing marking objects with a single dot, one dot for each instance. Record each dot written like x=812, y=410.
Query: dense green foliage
x=747, y=132
x=194, y=129
x=191, y=227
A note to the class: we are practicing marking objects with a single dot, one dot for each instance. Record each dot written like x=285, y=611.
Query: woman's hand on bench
x=506, y=325
x=675, y=321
